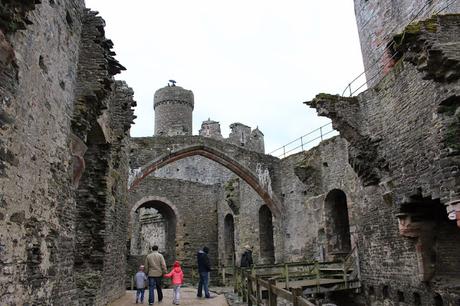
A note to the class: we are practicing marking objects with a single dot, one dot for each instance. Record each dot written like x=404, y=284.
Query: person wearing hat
x=246, y=257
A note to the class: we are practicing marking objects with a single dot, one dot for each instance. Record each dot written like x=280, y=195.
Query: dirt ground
x=188, y=297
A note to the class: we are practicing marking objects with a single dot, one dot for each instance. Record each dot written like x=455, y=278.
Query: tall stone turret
x=173, y=107
x=379, y=21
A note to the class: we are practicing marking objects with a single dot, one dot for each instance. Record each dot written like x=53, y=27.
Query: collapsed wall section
x=101, y=121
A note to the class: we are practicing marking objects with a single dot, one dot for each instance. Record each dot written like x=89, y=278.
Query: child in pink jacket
x=177, y=279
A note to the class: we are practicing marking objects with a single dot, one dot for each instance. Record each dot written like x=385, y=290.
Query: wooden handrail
x=252, y=282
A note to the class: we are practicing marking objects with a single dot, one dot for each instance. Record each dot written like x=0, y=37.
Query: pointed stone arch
x=213, y=154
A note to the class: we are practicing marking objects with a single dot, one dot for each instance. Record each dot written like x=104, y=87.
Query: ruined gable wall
x=37, y=93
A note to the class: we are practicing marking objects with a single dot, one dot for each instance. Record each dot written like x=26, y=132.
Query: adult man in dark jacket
x=204, y=267
x=246, y=258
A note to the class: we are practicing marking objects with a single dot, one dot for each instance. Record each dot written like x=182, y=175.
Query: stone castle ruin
x=81, y=201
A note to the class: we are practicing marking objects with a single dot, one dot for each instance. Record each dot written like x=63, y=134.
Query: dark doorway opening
x=229, y=240
x=337, y=223
x=267, y=247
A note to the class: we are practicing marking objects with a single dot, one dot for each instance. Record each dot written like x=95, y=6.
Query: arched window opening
x=337, y=223
x=229, y=240
x=154, y=223
x=267, y=247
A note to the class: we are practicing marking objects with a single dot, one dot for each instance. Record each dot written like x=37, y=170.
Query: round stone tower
x=173, y=107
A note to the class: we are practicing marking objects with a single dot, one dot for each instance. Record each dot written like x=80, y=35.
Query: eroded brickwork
x=35, y=164
x=48, y=110
x=378, y=21
x=406, y=122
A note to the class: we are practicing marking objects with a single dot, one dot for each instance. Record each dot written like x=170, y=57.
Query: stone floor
x=188, y=297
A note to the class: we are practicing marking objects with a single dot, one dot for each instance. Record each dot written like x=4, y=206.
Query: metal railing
x=306, y=141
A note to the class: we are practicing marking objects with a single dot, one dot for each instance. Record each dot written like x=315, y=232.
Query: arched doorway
x=337, y=223
x=229, y=240
x=267, y=247
x=154, y=223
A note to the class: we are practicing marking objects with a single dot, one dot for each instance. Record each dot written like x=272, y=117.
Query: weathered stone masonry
x=49, y=114
x=403, y=140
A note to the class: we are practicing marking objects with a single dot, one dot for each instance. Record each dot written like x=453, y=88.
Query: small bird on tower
x=172, y=83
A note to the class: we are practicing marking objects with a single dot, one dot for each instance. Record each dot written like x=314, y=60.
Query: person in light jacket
x=155, y=267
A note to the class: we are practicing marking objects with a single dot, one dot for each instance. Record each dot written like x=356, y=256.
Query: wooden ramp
x=295, y=281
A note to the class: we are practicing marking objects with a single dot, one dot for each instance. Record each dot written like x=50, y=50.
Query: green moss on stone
x=327, y=96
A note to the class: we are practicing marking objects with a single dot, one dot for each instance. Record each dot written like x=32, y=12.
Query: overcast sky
x=248, y=61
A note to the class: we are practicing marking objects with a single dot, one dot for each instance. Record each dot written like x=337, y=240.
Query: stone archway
x=224, y=159
x=153, y=221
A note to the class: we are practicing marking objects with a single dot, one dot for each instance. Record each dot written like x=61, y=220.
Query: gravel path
x=188, y=297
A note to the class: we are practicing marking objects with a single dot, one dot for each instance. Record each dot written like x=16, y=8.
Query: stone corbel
x=453, y=210
x=414, y=225
x=77, y=149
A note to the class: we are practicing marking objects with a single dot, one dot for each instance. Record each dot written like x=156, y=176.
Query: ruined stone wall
x=152, y=231
x=308, y=177
x=236, y=196
x=401, y=145
x=195, y=206
x=378, y=21
x=39, y=48
x=49, y=107
x=101, y=120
